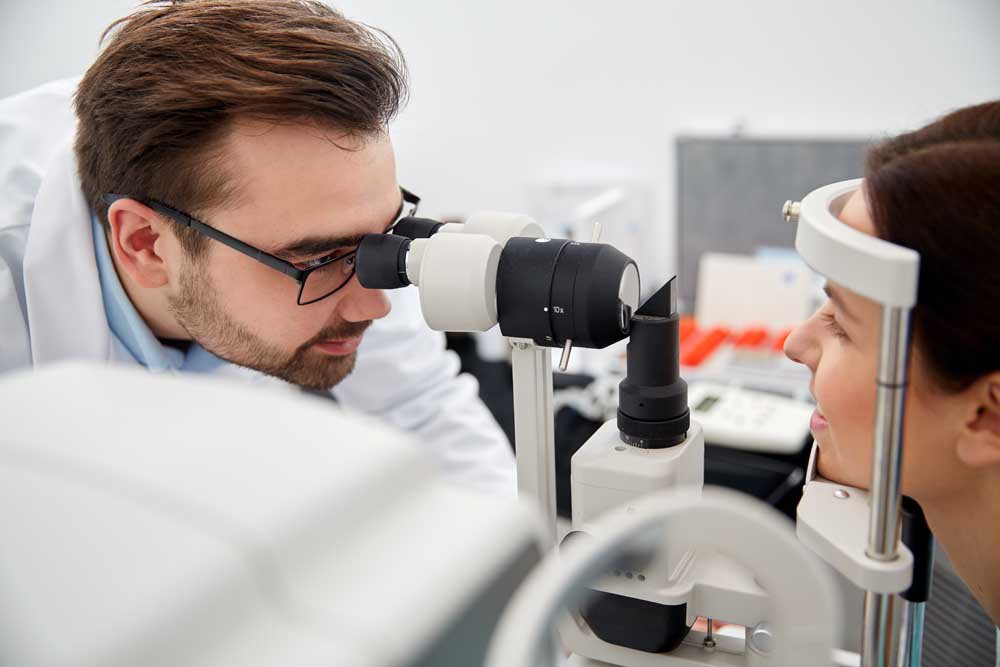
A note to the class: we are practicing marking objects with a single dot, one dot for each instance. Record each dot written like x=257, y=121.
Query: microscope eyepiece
x=381, y=261
x=652, y=399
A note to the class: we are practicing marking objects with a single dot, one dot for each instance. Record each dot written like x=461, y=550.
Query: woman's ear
x=979, y=439
x=135, y=229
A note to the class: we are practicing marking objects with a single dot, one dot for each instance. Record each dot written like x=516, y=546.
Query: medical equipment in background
x=651, y=446
x=163, y=520
x=733, y=416
x=832, y=517
x=569, y=200
x=779, y=293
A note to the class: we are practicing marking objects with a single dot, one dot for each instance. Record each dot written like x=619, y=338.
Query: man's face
x=302, y=187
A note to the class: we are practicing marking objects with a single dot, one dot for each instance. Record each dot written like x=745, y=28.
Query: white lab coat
x=51, y=306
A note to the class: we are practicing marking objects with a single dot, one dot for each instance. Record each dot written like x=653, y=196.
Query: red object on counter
x=778, y=344
x=751, y=337
x=705, y=345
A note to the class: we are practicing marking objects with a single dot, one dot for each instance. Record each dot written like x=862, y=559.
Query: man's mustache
x=341, y=331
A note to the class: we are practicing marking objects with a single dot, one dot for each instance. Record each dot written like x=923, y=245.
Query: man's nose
x=361, y=304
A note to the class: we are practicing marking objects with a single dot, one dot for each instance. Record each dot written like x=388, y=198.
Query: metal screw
x=841, y=493
x=709, y=642
x=791, y=210
x=564, y=358
x=761, y=639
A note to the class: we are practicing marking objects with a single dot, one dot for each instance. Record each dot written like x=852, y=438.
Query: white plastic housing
x=802, y=604
x=502, y=226
x=457, y=276
x=607, y=473
x=863, y=264
x=260, y=527
x=836, y=529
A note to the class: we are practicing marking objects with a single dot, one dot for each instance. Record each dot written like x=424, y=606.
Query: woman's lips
x=340, y=347
x=817, y=422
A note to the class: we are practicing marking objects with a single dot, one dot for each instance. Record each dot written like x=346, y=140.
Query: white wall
x=506, y=92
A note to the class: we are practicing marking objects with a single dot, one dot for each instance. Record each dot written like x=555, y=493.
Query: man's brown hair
x=156, y=105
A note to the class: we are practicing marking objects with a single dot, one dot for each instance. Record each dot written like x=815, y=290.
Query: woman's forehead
x=855, y=213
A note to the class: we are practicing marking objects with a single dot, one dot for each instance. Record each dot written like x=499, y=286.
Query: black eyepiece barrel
x=652, y=399
x=381, y=261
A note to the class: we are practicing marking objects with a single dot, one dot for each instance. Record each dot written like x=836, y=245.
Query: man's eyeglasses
x=319, y=279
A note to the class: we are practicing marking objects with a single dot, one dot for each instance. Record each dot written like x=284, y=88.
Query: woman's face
x=840, y=345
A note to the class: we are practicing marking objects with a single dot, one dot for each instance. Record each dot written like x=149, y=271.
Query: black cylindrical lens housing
x=554, y=290
x=652, y=399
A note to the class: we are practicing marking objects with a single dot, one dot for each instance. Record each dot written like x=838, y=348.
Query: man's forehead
x=297, y=182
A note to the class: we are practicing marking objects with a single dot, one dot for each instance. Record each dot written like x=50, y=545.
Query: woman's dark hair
x=937, y=190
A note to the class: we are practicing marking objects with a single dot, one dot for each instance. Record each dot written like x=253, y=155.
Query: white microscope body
x=470, y=281
x=642, y=612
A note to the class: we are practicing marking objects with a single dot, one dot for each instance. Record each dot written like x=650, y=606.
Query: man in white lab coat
x=198, y=210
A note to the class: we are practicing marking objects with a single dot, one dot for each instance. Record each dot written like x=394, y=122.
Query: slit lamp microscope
x=649, y=549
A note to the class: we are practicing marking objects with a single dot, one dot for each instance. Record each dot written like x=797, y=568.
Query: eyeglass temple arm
x=186, y=220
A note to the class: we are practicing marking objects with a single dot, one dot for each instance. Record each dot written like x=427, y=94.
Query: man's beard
x=198, y=310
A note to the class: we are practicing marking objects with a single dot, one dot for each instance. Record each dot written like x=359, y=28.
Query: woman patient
x=937, y=191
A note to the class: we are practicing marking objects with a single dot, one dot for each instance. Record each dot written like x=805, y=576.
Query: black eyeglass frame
x=276, y=263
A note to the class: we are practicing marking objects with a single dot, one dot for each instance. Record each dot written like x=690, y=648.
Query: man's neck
x=967, y=528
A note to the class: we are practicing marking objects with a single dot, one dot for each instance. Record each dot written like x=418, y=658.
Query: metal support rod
x=910, y=646
x=883, y=527
x=876, y=642
x=534, y=429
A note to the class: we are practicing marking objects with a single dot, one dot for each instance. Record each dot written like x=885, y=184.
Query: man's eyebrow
x=838, y=301
x=316, y=245
x=324, y=245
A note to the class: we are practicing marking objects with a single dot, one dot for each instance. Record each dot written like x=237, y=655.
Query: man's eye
x=320, y=261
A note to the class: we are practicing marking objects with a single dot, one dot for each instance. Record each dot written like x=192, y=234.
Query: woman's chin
x=830, y=469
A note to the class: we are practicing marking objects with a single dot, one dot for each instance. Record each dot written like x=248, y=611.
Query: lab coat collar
x=62, y=289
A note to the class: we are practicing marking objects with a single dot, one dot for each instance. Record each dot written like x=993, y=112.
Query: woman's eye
x=831, y=323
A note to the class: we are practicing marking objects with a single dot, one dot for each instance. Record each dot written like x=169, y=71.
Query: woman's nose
x=800, y=346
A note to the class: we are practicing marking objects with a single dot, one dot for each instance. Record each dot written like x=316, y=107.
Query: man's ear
x=135, y=230
x=979, y=440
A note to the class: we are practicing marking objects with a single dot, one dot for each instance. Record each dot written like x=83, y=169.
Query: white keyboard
x=751, y=420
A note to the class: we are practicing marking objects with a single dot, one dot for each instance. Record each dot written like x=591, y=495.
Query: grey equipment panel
x=730, y=192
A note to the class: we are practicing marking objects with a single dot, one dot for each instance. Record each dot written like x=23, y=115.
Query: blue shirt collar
x=131, y=330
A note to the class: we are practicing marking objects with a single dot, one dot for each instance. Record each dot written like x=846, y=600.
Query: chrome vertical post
x=883, y=528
